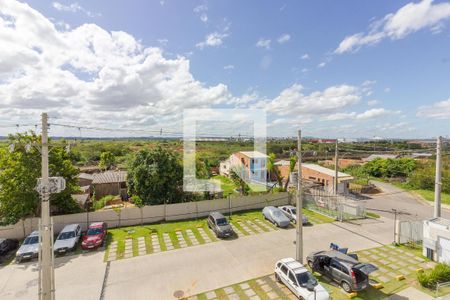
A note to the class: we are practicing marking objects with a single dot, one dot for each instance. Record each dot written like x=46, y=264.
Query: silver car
x=291, y=212
x=276, y=216
x=29, y=248
x=67, y=239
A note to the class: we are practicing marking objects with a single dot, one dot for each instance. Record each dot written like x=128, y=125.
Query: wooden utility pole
x=299, y=215
x=438, y=182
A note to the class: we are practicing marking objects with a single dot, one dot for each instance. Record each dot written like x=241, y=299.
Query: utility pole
x=438, y=183
x=299, y=215
x=46, y=288
x=336, y=167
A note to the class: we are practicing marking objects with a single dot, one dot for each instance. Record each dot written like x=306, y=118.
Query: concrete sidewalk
x=411, y=293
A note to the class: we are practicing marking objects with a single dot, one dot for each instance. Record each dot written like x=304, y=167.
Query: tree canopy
x=156, y=176
x=107, y=160
x=19, y=171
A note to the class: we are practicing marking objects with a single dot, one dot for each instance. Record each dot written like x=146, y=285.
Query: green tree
x=238, y=181
x=19, y=171
x=107, y=160
x=155, y=176
x=292, y=163
x=272, y=168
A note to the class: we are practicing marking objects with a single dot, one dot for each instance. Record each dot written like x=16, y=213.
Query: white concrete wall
x=149, y=214
x=432, y=232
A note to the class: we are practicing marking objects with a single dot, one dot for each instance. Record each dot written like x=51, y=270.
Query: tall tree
x=107, y=160
x=272, y=168
x=292, y=163
x=19, y=171
x=156, y=176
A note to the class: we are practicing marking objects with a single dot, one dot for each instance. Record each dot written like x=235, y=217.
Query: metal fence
x=340, y=207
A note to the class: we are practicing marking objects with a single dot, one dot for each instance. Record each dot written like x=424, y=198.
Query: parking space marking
x=181, y=240
x=204, y=235
x=167, y=241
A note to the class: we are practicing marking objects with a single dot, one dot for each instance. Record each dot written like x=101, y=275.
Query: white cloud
x=292, y=100
x=263, y=43
x=372, y=102
x=228, y=67
x=163, y=42
x=284, y=38
x=408, y=19
x=74, y=7
x=92, y=75
x=322, y=64
x=387, y=90
x=374, y=113
x=438, y=110
x=305, y=56
x=201, y=10
x=266, y=61
x=214, y=39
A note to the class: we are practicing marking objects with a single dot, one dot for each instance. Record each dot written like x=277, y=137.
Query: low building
x=325, y=177
x=110, y=183
x=317, y=174
x=251, y=165
x=85, y=179
x=343, y=162
x=436, y=239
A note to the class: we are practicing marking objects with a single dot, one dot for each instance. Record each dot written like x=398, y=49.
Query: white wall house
x=252, y=165
x=436, y=239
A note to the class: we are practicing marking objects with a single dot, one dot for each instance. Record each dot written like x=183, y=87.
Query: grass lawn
x=226, y=184
x=429, y=195
x=246, y=222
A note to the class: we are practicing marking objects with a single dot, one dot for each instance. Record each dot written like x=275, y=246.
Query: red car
x=95, y=235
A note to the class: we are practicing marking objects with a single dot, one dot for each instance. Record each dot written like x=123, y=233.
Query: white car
x=299, y=280
x=29, y=248
x=291, y=212
x=67, y=239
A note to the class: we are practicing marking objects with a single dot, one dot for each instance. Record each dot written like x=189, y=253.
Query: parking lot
x=392, y=261
x=149, y=239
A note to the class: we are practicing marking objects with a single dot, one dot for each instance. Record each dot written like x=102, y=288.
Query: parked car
x=291, y=212
x=299, y=280
x=29, y=248
x=220, y=225
x=276, y=216
x=342, y=268
x=7, y=245
x=95, y=235
x=67, y=239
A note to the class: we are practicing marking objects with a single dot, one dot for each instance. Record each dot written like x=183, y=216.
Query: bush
x=99, y=204
x=430, y=278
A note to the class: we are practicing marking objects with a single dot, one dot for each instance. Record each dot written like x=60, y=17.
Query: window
x=335, y=265
x=284, y=269
x=292, y=278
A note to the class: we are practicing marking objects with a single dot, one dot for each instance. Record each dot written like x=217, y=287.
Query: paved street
x=395, y=198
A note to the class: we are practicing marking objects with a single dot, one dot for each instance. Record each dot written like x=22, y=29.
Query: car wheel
x=277, y=278
x=346, y=287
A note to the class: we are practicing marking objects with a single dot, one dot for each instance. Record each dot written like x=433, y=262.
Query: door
x=292, y=283
x=444, y=250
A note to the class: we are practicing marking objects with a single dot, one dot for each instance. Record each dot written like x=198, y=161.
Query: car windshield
x=31, y=240
x=94, y=231
x=66, y=235
x=277, y=213
x=305, y=278
x=222, y=222
x=293, y=211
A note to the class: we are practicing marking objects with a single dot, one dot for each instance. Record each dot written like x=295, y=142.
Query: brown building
x=319, y=175
x=343, y=162
x=110, y=183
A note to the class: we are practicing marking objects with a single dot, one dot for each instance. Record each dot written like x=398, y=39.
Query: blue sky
x=332, y=68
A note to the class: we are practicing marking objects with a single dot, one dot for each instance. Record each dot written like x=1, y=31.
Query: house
x=85, y=179
x=436, y=240
x=317, y=174
x=382, y=156
x=250, y=165
x=110, y=183
x=325, y=177
x=343, y=162
x=82, y=199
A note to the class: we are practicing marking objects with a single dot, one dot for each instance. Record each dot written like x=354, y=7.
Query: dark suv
x=342, y=268
x=219, y=224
